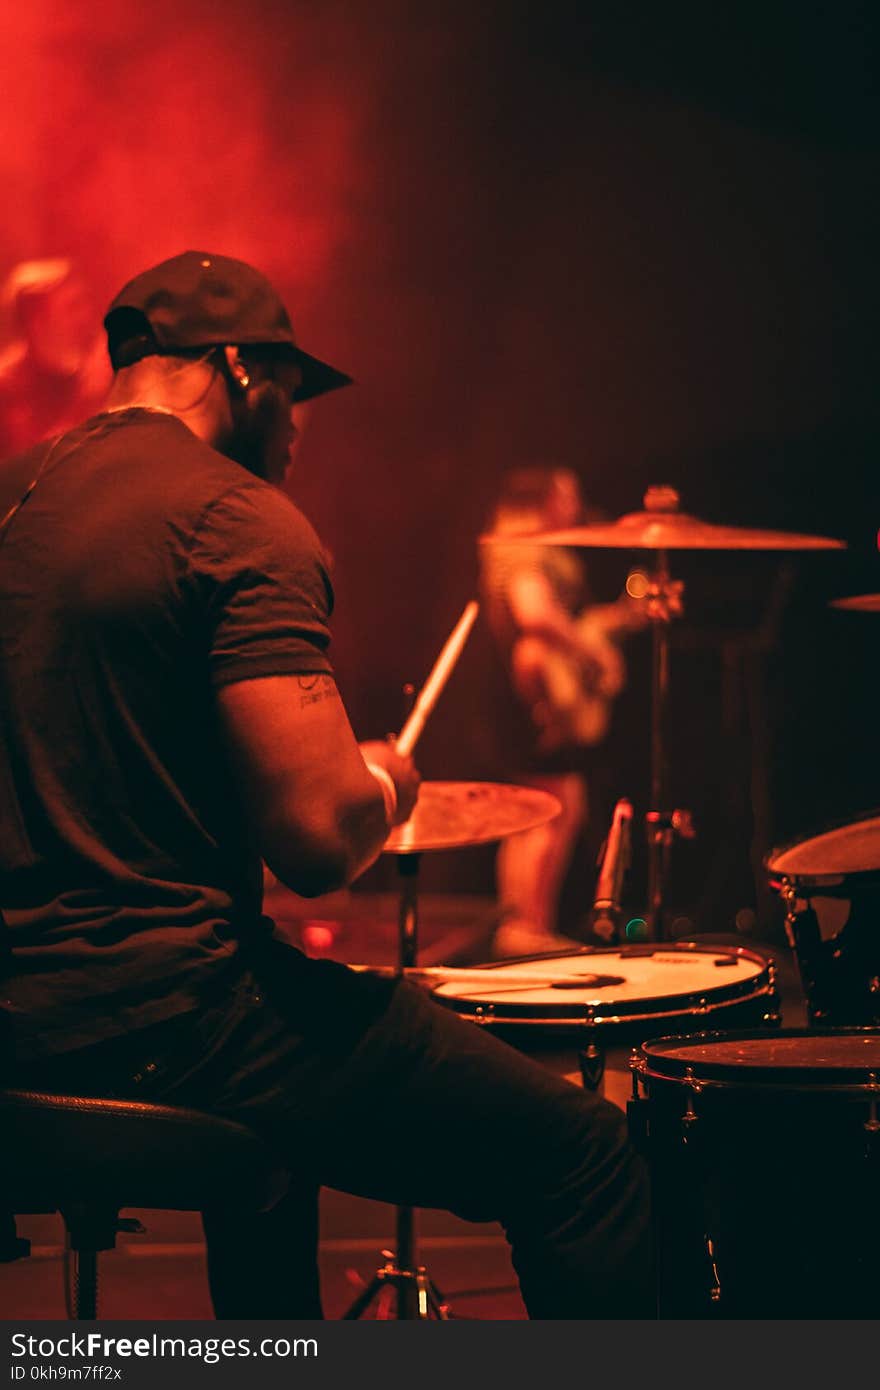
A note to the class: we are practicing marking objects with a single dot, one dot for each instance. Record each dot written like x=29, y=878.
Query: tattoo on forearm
x=315, y=688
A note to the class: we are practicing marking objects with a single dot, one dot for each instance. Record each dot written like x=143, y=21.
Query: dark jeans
x=364, y=1084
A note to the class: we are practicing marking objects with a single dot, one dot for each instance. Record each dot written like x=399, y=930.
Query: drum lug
x=872, y=1124
x=483, y=1013
x=592, y=1064
x=789, y=896
x=690, y=1116
x=773, y=1017
x=715, y=1286
x=636, y=1067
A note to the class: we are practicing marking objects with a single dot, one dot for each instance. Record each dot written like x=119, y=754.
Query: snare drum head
x=606, y=983
x=837, y=851
x=792, y=1056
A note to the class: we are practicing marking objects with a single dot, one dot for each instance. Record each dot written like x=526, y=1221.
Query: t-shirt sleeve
x=263, y=585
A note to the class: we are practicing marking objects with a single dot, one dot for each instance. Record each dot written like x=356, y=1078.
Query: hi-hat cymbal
x=452, y=815
x=858, y=603
x=661, y=526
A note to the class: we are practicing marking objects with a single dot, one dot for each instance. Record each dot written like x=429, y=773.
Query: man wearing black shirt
x=169, y=719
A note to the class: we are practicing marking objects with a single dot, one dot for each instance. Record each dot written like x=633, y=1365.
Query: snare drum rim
x=617, y=1012
x=658, y=1066
x=779, y=878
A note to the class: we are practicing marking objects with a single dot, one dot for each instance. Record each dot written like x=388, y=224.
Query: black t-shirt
x=145, y=571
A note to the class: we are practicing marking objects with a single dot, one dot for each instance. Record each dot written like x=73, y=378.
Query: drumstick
x=430, y=691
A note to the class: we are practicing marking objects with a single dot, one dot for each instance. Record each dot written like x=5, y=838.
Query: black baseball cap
x=199, y=299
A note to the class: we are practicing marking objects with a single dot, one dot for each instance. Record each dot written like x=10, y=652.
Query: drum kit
x=726, y=1104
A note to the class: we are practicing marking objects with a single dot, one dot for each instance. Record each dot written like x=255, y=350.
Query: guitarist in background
x=558, y=670
x=54, y=371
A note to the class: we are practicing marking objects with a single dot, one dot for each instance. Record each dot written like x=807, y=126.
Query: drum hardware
x=447, y=815
x=790, y=898
x=664, y=601
x=417, y=1295
x=592, y=1064
x=872, y=1124
x=662, y=527
x=636, y=1109
x=804, y=938
x=635, y=1068
x=840, y=975
x=577, y=1030
x=790, y=1105
x=715, y=1285
x=414, y=1287
x=690, y=1116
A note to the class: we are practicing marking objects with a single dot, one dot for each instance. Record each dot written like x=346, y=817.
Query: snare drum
x=569, y=1008
x=764, y=1150
x=830, y=884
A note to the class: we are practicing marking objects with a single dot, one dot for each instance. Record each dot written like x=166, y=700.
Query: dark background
x=639, y=241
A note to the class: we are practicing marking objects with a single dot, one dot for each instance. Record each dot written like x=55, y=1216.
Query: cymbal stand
x=417, y=1295
x=664, y=602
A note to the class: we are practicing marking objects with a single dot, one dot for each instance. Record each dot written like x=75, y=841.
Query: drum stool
x=88, y=1157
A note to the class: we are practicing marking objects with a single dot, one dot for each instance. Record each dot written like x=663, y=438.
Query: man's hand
x=402, y=771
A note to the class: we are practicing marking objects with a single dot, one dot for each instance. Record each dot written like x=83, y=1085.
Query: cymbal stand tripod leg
x=417, y=1296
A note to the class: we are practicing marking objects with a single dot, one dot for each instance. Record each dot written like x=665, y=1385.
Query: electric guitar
x=570, y=691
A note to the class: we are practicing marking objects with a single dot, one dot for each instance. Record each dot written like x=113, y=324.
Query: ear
x=237, y=370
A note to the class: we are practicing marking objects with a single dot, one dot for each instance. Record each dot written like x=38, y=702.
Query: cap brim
x=318, y=376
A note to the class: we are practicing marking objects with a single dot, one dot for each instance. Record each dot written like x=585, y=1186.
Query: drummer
x=171, y=717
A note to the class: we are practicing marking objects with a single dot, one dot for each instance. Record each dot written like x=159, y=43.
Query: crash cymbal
x=859, y=603
x=838, y=851
x=451, y=815
x=661, y=526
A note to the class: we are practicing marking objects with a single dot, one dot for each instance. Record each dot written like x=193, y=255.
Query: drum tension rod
x=872, y=1124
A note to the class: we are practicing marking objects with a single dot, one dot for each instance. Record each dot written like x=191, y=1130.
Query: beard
x=260, y=434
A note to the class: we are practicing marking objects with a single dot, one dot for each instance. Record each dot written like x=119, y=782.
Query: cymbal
x=677, y=531
x=452, y=815
x=661, y=526
x=839, y=851
x=859, y=603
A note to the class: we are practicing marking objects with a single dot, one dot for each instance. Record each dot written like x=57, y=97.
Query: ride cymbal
x=453, y=815
x=661, y=526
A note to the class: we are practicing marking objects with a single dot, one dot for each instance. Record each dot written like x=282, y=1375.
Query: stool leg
x=85, y=1285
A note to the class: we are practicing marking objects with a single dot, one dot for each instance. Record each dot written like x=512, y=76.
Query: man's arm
x=538, y=612
x=319, y=813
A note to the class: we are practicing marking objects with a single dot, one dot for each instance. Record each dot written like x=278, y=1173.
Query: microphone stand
x=614, y=866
